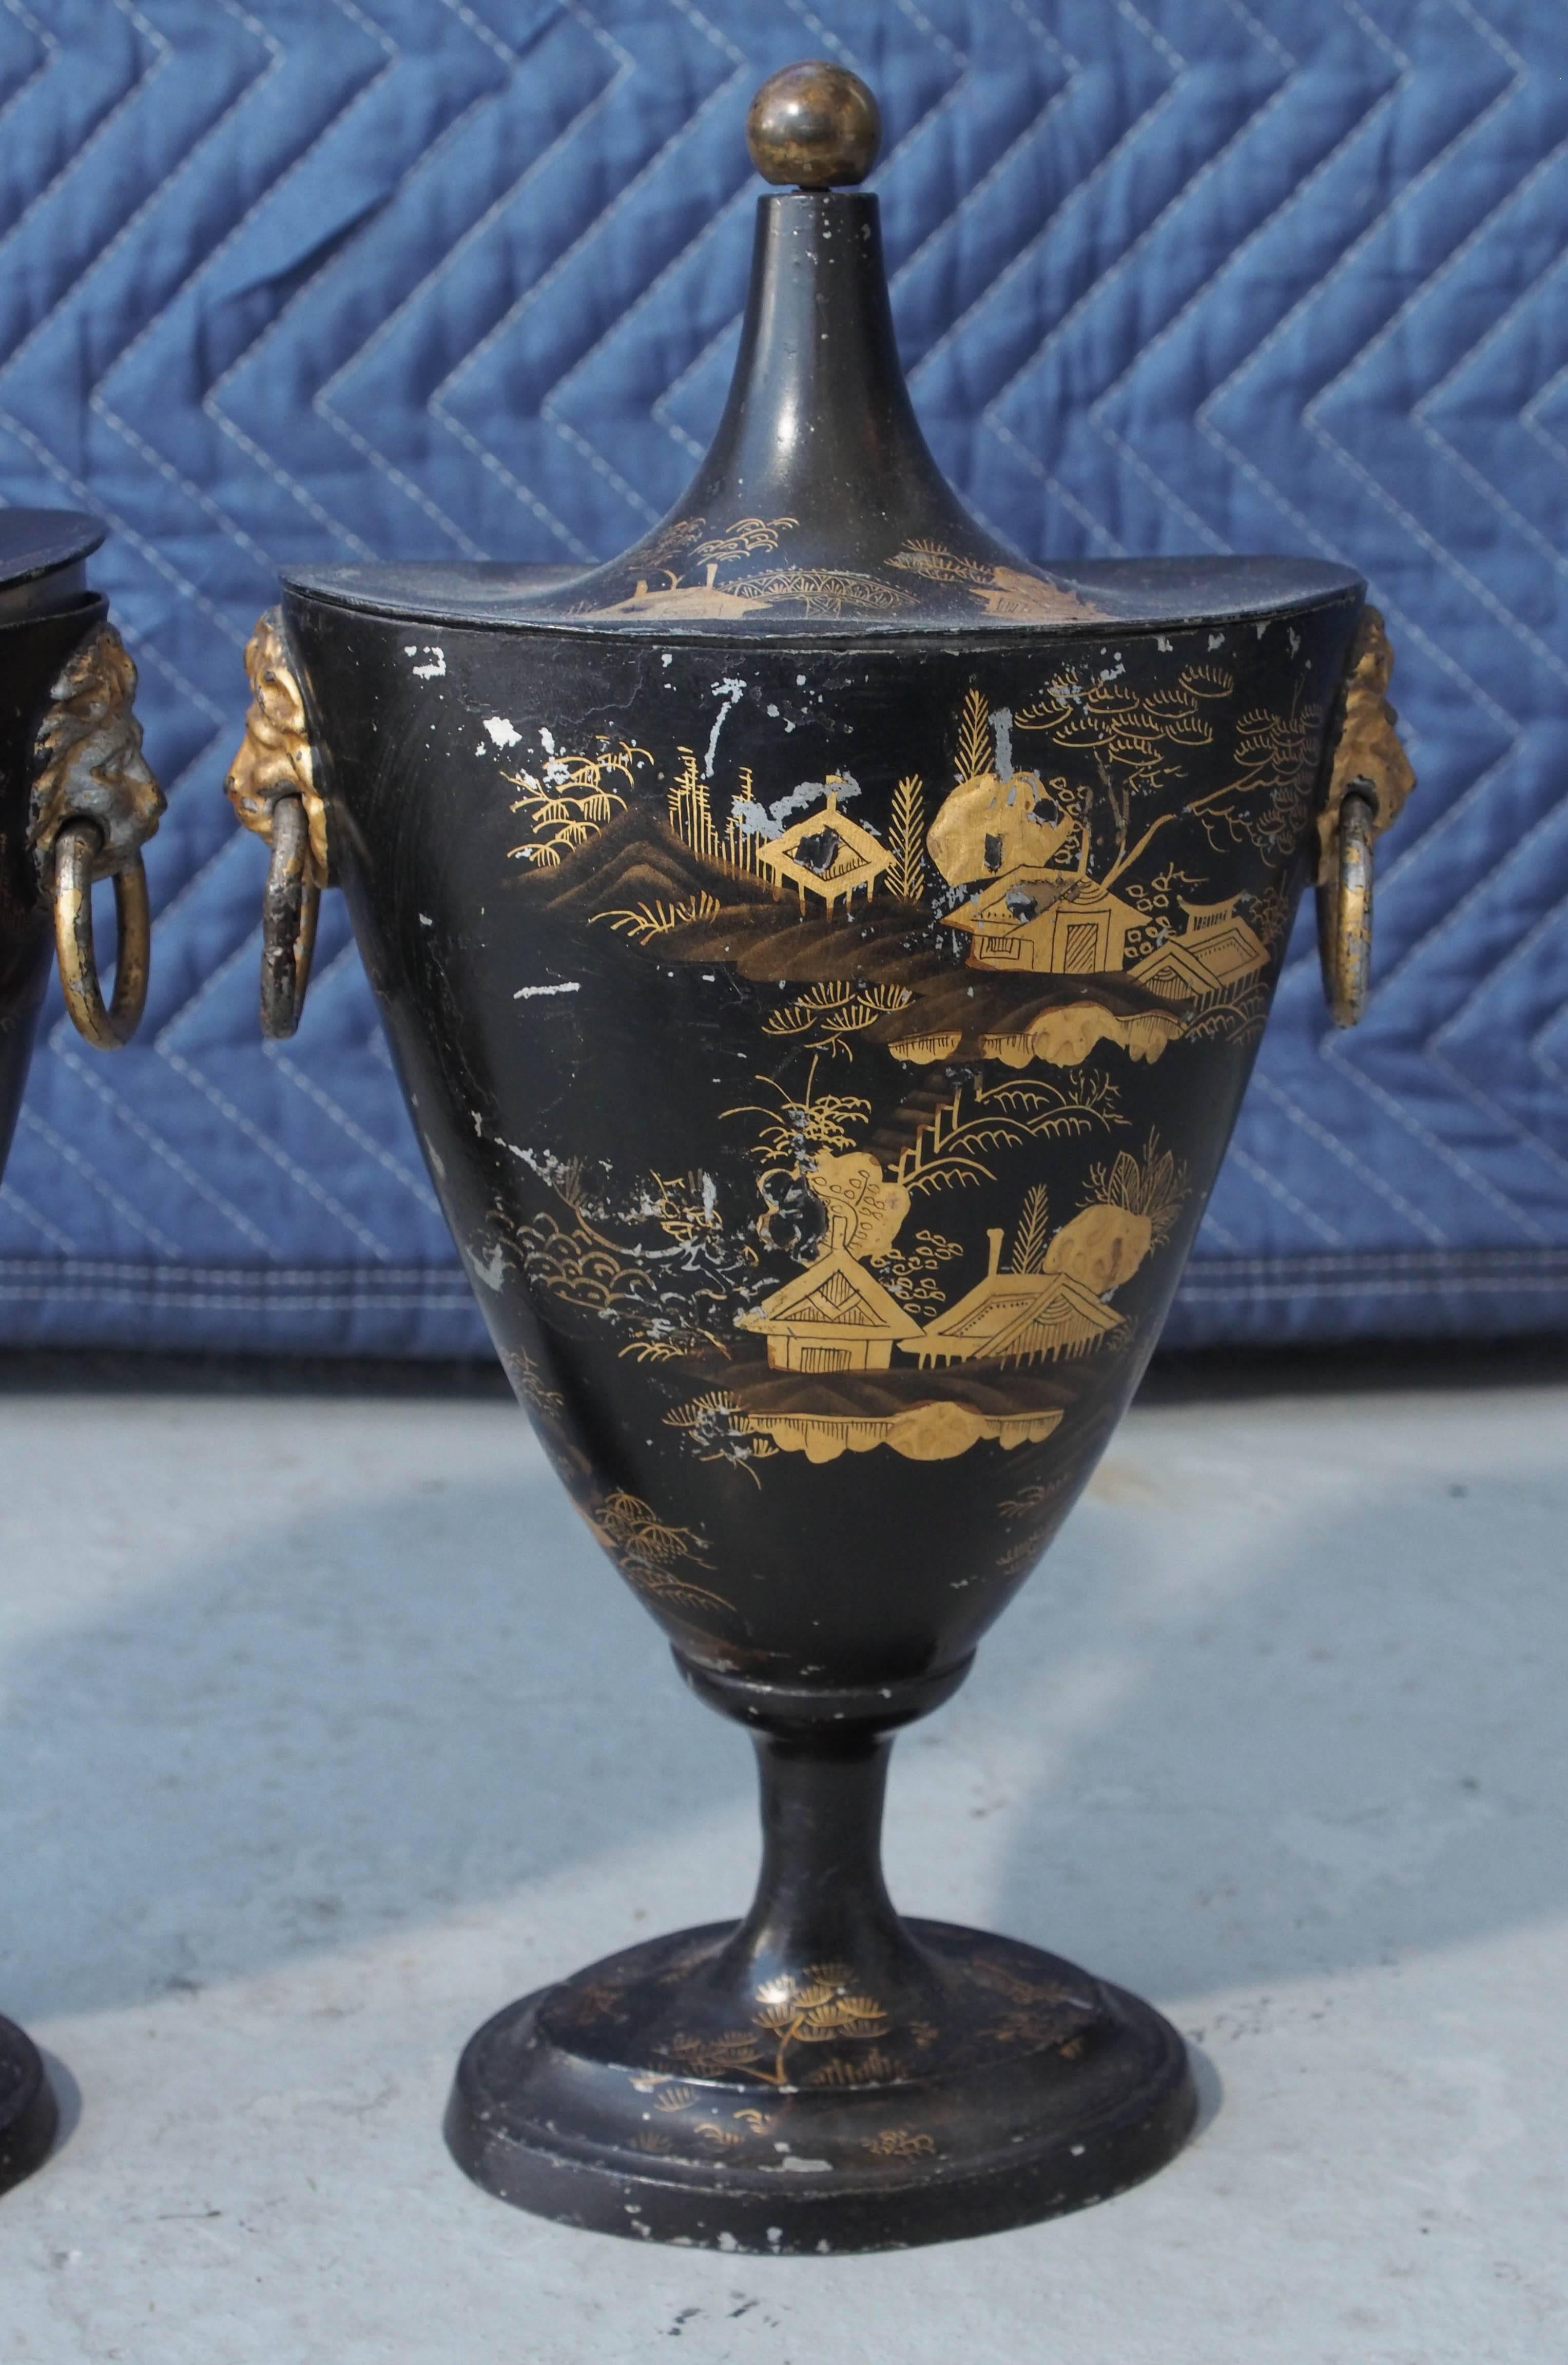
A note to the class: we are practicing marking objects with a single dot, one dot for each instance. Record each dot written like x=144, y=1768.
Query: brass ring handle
x=76, y=850
x=290, y=906
x=1345, y=912
x=1369, y=777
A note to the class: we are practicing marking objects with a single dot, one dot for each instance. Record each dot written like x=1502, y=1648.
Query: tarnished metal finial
x=814, y=126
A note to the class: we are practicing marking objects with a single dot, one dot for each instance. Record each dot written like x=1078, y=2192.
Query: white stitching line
x=163, y=1149
x=1229, y=261
x=189, y=787
x=12, y=1198
x=370, y=1279
x=322, y=403
x=1275, y=1188
x=1423, y=292
x=356, y=1132
x=98, y=401
x=1505, y=326
x=51, y=47
x=1451, y=1157
x=1532, y=423
x=549, y=405
x=237, y=1302
x=1522, y=850
x=683, y=260
x=30, y=1121
x=1337, y=1148
x=1484, y=229
x=1322, y=1264
x=311, y=294
x=90, y=499
x=660, y=409
x=1437, y=1047
x=1212, y=1229
x=436, y=406
x=949, y=226
x=1073, y=70
x=1427, y=848
x=275, y=1152
x=415, y=1184
x=549, y=408
x=1208, y=1293
x=237, y=848
x=79, y=161
x=1077, y=200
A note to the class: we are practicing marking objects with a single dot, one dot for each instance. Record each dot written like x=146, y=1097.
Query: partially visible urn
x=824, y=953
x=77, y=802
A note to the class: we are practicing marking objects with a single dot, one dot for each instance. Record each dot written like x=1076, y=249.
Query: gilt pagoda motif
x=1019, y=1317
x=835, y=1317
x=826, y=856
x=1218, y=951
x=1052, y=921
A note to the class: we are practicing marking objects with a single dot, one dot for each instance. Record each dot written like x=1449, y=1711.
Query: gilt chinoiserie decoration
x=824, y=954
x=77, y=802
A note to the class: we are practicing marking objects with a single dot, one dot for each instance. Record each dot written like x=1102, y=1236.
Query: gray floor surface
x=326, y=1731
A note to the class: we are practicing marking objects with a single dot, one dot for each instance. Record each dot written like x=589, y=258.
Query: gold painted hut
x=835, y=1317
x=1018, y=1317
x=1053, y=921
x=1215, y=952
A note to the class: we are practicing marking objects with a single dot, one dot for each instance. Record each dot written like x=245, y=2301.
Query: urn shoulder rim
x=39, y=541
x=1113, y=596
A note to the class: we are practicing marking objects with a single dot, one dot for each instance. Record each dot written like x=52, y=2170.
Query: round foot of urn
x=27, y=2111
x=630, y=2099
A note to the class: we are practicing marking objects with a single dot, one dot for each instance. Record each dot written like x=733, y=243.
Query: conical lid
x=819, y=498
x=819, y=509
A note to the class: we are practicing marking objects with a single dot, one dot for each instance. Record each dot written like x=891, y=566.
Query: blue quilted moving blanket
x=325, y=278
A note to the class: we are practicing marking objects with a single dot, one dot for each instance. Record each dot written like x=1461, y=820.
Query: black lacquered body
x=45, y=614
x=824, y=954
x=823, y=1051
x=46, y=611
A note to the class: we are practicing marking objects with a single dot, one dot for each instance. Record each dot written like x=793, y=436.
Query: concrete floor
x=326, y=1731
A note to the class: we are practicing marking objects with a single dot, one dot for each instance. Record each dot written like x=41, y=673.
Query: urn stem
x=821, y=1898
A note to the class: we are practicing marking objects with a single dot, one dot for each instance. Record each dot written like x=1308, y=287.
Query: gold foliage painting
x=684, y=571
x=818, y=2007
x=642, y=922
x=653, y=1553
x=908, y=874
x=828, y=1016
x=569, y=800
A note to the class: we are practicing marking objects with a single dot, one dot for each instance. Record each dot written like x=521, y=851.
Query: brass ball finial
x=815, y=126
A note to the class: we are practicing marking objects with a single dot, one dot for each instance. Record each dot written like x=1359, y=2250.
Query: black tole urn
x=824, y=954
x=77, y=802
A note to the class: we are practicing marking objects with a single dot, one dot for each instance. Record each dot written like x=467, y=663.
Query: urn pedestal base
x=27, y=2113
x=1047, y=2089
x=823, y=2075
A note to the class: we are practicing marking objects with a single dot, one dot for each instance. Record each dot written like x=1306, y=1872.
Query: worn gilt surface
x=89, y=763
x=1368, y=754
x=274, y=758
